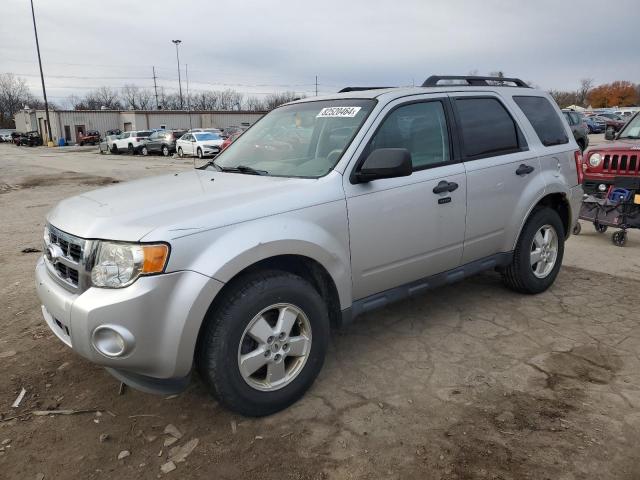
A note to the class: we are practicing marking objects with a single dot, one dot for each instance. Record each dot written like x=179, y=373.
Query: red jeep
x=91, y=136
x=618, y=158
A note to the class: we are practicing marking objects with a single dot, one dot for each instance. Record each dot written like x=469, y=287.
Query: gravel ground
x=470, y=381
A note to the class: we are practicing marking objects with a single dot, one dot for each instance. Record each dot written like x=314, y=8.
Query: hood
x=187, y=202
x=617, y=145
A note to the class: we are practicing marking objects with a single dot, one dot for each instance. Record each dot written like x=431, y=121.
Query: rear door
x=400, y=229
x=499, y=168
x=153, y=144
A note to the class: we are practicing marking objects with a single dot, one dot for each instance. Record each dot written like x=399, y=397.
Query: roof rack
x=360, y=89
x=473, y=81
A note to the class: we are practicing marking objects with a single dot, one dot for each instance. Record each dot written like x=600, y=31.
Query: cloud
x=259, y=46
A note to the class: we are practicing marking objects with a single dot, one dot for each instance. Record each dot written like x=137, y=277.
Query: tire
x=619, y=238
x=114, y=148
x=610, y=129
x=144, y=151
x=577, y=228
x=180, y=152
x=519, y=275
x=82, y=144
x=199, y=152
x=165, y=151
x=226, y=330
x=130, y=149
x=600, y=228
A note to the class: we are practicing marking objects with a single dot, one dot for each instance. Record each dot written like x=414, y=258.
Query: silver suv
x=325, y=209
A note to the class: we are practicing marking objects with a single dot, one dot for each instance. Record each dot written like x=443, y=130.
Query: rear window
x=487, y=128
x=144, y=134
x=544, y=120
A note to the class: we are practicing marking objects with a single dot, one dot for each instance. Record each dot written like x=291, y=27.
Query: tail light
x=579, y=165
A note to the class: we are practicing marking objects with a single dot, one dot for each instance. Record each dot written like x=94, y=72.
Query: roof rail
x=473, y=81
x=360, y=89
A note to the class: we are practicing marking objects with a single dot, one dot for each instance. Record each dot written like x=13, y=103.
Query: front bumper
x=163, y=313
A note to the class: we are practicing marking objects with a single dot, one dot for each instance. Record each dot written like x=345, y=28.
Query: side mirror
x=385, y=163
x=609, y=134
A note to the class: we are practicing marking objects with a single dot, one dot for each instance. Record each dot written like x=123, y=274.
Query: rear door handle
x=445, y=186
x=524, y=170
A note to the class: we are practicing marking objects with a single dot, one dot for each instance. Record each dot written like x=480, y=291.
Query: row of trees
x=620, y=93
x=132, y=97
x=14, y=94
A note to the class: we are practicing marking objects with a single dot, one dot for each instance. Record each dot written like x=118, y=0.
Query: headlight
x=595, y=159
x=118, y=265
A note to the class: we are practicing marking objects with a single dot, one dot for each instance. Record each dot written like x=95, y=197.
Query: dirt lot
x=471, y=381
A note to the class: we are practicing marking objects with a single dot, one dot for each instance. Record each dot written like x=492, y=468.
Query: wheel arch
x=557, y=201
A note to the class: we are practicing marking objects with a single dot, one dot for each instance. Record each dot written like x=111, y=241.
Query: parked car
x=28, y=139
x=217, y=131
x=200, y=144
x=619, y=158
x=90, y=137
x=238, y=269
x=579, y=127
x=595, y=124
x=614, y=122
x=162, y=141
x=5, y=136
x=228, y=131
x=131, y=142
x=230, y=139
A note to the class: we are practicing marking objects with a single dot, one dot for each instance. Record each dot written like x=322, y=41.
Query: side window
x=126, y=135
x=486, y=127
x=568, y=118
x=421, y=128
x=543, y=119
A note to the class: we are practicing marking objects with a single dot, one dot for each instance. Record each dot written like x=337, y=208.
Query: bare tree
x=586, y=84
x=276, y=99
x=254, y=104
x=14, y=95
x=107, y=97
x=135, y=98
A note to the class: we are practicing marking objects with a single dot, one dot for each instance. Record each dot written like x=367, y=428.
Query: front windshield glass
x=300, y=140
x=206, y=136
x=632, y=128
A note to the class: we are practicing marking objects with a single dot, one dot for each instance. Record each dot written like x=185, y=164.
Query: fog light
x=112, y=340
x=602, y=187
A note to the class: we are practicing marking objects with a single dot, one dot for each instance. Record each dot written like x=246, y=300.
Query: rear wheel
x=165, y=151
x=130, y=149
x=538, y=254
x=619, y=238
x=600, y=228
x=610, y=130
x=264, y=342
x=577, y=228
x=114, y=148
x=144, y=151
x=180, y=153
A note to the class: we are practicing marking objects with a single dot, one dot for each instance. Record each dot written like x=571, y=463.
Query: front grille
x=621, y=164
x=65, y=258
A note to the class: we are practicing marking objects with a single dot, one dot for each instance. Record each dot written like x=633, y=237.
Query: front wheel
x=263, y=342
x=538, y=254
x=144, y=151
x=114, y=148
x=599, y=228
x=577, y=228
x=130, y=149
x=199, y=153
x=165, y=150
x=180, y=152
x=619, y=238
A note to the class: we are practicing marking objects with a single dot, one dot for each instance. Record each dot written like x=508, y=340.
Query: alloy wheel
x=544, y=251
x=274, y=347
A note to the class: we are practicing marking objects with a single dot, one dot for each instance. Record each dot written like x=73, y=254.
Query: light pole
x=44, y=91
x=178, y=42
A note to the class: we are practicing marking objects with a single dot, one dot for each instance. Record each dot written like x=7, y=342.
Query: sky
x=265, y=46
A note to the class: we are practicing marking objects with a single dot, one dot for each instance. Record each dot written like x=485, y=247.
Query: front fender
x=319, y=233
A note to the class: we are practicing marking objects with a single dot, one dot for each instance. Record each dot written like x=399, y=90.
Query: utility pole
x=186, y=71
x=44, y=90
x=178, y=42
x=155, y=86
x=316, y=85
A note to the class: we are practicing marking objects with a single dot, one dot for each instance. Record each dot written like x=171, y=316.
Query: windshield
x=300, y=140
x=632, y=128
x=206, y=136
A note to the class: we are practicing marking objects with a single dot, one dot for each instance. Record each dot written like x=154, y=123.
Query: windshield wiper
x=239, y=169
x=632, y=137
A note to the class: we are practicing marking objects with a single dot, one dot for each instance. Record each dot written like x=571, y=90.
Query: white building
x=68, y=124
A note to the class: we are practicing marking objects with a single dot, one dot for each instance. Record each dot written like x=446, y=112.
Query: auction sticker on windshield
x=338, y=112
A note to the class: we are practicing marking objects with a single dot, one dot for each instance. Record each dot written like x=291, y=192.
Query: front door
x=400, y=229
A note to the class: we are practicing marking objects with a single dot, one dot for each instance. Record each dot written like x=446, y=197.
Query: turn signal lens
x=155, y=258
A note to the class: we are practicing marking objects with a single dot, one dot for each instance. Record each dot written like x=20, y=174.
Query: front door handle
x=445, y=186
x=524, y=170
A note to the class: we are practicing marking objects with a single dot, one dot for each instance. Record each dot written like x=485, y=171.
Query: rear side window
x=487, y=128
x=543, y=119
